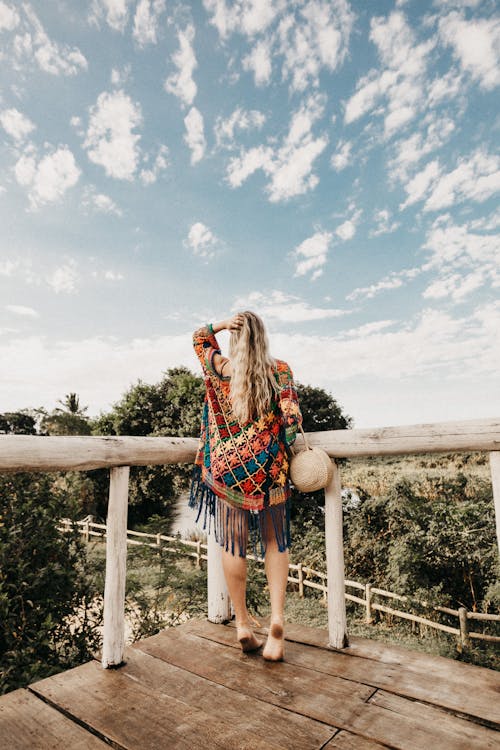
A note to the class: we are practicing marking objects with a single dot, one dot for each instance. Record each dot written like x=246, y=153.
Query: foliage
x=18, y=423
x=44, y=583
x=434, y=537
x=171, y=407
x=70, y=420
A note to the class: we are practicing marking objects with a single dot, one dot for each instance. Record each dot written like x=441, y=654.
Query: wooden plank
x=28, y=722
x=347, y=741
x=280, y=727
x=454, y=685
x=124, y=712
x=455, y=734
x=320, y=696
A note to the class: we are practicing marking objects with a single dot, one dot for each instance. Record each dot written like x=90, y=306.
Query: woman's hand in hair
x=232, y=324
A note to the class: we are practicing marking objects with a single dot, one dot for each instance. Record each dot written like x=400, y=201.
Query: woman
x=250, y=418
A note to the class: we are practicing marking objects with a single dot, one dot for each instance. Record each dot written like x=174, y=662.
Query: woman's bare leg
x=235, y=573
x=276, y=566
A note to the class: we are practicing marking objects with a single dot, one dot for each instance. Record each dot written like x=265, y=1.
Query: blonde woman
x=240, y=478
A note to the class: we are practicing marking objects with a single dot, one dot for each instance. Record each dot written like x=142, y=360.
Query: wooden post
x=301, y=580
x=464, y=627
x=86, y=528
x=198, y=553
x=337, y=618
x=495, y=481
x=116, y=568
x=218, y=596
x=368, y=597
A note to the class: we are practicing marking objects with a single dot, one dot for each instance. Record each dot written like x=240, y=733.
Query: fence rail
x=91, y=529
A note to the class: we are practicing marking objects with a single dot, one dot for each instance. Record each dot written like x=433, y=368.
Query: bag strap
x=306, y=442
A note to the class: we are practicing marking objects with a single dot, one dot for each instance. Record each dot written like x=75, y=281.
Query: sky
x=331, y=165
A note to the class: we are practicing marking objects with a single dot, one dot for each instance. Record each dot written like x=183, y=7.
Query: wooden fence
x=200, y=552
x=119, y=453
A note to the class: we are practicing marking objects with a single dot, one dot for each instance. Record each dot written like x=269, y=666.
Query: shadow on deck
x=192, y=687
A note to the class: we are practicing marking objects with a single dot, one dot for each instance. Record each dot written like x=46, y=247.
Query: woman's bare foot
x=246, y=637
x=275, y=644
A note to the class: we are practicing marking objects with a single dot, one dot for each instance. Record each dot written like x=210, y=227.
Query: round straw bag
x=310, y=469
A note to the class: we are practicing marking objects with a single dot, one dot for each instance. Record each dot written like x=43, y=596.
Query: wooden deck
x=192, y=687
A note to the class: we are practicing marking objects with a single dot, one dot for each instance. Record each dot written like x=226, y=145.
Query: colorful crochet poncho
x=240, y=476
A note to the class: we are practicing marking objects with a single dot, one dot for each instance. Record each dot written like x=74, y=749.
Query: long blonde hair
x=252, y=381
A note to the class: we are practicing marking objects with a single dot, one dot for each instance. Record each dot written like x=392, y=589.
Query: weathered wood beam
x=495, y=481
x=116, y=568
x=79, y=453
x=337, y=617
x=434, y=437
x=51, y=453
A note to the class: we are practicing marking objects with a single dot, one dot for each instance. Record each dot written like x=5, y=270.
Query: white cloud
x=393, y=280
x=475, y=178
x=108, y=275
x=115, y=13
x=402, y=80
x=23, y=311
x=308, y=36
x=476, y=45
x=248, y=17
x=462, y=259
x=49, y=177
x=119, y=77
x=9, y=17
x=347, y=229
x=421, y=183
x=202, y=241
x=286, y=308
x=290, y=165
x=51, y=56
x=161, y=162
x=181, y=83
x=99, y=202
x=411, y=150
x=316, y=37
x=146, y=21
x=64, y=278
x=383, y=223
x=194, y=136
x=340, y=159
x=17, y=125
x=240, y=119
x=110, y=140
x=311, y=254
x=259, y=62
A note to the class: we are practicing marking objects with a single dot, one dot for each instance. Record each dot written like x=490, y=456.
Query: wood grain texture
x=339, y=702
x=72, y=452
x=27, y=722
x=133, y=716
x=454, y=685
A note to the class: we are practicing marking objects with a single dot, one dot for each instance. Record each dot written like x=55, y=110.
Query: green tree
x=171, y=407
x=21, y=422
x=70, y=420
x=45, y=582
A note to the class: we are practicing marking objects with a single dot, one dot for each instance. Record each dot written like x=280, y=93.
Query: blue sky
x=333, y=166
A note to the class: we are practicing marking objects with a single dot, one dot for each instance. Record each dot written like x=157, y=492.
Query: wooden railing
x=198, y=550
x=51, y=453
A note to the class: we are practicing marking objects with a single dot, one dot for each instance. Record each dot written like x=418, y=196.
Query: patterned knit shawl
x=246, y=465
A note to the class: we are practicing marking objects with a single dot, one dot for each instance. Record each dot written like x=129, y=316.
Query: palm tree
x=71, y=404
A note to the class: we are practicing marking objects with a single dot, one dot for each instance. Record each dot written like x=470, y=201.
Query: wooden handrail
x=81, y=453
